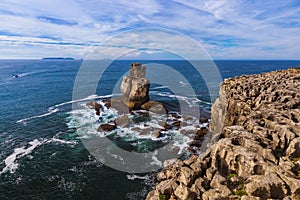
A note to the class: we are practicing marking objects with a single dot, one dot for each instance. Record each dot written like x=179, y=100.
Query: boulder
x=123, y=121
x=155, y=107
x=106, y=127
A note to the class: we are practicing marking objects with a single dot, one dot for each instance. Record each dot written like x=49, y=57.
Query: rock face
x=135, y=87
x=257, y=155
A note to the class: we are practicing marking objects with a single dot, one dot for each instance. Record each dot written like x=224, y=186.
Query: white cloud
x=228, y=29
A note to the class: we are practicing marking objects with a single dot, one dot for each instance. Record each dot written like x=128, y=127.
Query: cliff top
x=258, y=153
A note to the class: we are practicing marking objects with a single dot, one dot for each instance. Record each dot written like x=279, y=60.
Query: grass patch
x=240, y=192
x=231, y=176
x=298, y=175
x=164, y=197
x=295, y=159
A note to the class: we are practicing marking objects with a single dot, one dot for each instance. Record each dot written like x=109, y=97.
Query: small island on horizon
x=58, y=58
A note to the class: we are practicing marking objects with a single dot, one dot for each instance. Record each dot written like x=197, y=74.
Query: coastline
x=257, y=156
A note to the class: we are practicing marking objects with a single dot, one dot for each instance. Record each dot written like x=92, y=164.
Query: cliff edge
x=256, y=150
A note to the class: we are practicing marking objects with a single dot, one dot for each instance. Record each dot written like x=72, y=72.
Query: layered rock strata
x=135, y=87
x=256, y=152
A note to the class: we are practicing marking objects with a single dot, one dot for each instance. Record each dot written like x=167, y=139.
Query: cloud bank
x=226, y=29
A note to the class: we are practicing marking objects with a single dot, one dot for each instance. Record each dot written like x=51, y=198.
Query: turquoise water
x=41, y=154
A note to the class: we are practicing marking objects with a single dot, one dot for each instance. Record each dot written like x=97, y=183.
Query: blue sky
x=227, y=29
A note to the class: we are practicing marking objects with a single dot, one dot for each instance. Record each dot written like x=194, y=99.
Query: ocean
x=42, y=155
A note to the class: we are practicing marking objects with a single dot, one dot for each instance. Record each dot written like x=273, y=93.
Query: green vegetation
x=240, y=192
x=164, y=197
x=295, y=159
x=298, y=174
x=298, y=106
x=231, y=176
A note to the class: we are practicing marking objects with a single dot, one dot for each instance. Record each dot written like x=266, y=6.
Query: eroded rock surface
x=135, y=87
x=257, y=155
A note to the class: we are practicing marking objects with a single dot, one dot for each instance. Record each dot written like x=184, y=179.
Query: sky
x=226, y=29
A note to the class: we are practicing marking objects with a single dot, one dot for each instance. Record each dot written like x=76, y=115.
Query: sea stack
x=135, y=87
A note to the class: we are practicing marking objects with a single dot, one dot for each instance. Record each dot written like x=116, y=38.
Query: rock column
x=135, y=87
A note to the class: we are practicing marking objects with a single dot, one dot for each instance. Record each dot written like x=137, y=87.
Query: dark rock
x=157, y=134
x=107, y=103
x=106, y=127
x=176, y=124
x=203, y=120
x=94, y=105
x=165, y=125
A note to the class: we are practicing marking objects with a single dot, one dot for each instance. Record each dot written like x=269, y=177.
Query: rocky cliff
x=256, y=122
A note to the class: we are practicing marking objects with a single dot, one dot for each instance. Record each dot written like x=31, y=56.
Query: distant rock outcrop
x=257, y=119
x=135, y=87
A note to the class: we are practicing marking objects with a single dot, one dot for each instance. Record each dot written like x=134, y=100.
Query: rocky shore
x=145, y=118
x=256, y=152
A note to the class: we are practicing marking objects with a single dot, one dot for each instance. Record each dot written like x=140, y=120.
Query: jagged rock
x=199, y=187
x=166, y=187
x=106, y=127
x=250, y=198
x=293, y=150
x=257, y=155
x=215, y=194
x=123, y=121
x=155, y=107
x=186, y=176
x=156, y=134
x=135, y=87
x=107, y=103
x=183, y=192
x=268, y=186
x=165, y=125
x=94, y=105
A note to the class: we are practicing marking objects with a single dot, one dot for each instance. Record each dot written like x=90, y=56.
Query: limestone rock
x=183, y=192
x=122, y=121
x=155, y=107
x=135, y=87
x=166, y=187
x=254, y=147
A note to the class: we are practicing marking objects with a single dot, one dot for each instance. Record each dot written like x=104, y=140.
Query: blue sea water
x=41, y=154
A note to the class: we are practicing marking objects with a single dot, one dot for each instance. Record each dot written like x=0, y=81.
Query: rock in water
x=94, y=105
x=123, y=121
x=155, y=107
x=106, y=127
x=135, y=87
